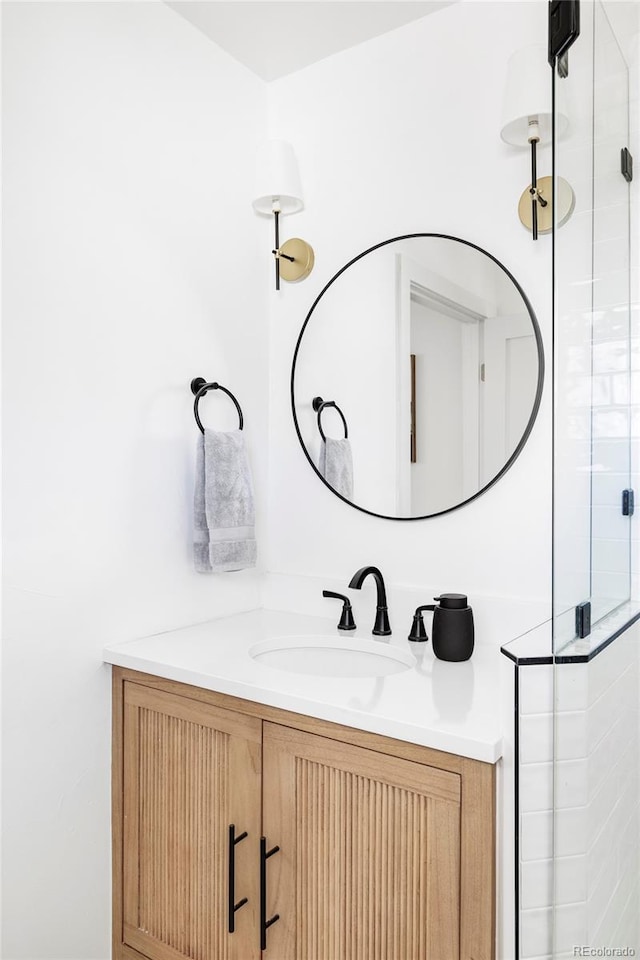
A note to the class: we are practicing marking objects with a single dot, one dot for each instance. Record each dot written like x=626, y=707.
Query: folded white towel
x=336, y=466
x=224, y=516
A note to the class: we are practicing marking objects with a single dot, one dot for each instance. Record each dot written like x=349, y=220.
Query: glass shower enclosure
x=594, y=896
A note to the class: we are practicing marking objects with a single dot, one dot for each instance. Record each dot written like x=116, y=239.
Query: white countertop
x=455, y=707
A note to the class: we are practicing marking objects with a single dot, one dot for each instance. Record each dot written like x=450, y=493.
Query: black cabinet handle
x=264, y=923
x=232, y=905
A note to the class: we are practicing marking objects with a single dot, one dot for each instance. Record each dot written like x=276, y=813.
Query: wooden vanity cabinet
x=372, y=849
x=190, y=770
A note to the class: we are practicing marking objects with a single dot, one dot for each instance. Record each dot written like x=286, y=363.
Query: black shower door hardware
x=564, y=30
x=628, y=503
x=583, y=619
x=232, y=905
x=264, y=923
x=626, y=164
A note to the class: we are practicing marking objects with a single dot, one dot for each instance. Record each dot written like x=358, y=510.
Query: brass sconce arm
x=294, y=259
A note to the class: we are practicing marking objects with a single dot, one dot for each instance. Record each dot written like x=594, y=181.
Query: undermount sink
x=327, y=656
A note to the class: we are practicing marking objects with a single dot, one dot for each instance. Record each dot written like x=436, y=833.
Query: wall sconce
x=278, y=191
x=526, y=122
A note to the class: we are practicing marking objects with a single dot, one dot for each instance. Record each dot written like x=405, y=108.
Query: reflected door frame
x=413, y=278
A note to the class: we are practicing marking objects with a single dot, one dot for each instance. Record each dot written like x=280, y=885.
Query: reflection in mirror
x=430, y=351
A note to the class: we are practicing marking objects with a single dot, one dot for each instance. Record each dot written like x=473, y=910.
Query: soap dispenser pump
x=452, y=631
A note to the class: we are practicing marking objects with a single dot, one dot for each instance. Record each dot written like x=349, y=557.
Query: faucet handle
x=418, y=633
x=346, y=619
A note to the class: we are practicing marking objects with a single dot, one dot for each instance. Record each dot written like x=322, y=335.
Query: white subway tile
x=612, y=221
x=612, y=556
x=570, y=735
x=610, y=423
x=607, y=709
x=620, y=388
x=600, y=888
x=536, y=787
x=572, y=783
x=607, y=484
x=609, y=665
x=609, y=187
x=616, y=587
x=571, y=833
x=612, y=455
x=571, y=926
x=536, y=933
x=627, y=933
x=611, y=289
x=536, y=836
x=601, y=846
x=610, y=254
x=608, y=523
x=610, y=356
x=536, y=738
x=603, y=758
x=571, y=684
x=614, y=911
x=570, y=879
x=601, y=806
x=536, y=884
x=626, y=809
x=536, y=689
x=628, y=846
x=607, y=488
x=627, y=774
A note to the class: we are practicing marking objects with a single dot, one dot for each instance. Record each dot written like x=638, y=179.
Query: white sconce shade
x=278, y=191
x=527, y=95
x=277, y=179
x=527, y=121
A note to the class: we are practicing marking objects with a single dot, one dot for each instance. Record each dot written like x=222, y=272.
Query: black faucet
x=381, y=627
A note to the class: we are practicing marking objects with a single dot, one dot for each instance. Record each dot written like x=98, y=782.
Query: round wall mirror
x=417, y=376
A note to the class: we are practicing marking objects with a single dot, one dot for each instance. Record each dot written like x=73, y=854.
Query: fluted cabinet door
x=369, y=860
x=190, y=770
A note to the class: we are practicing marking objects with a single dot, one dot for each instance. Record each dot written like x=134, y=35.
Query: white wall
x=398, y=135
x=131, y=265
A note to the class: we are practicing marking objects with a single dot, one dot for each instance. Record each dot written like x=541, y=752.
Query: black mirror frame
x=536, y=403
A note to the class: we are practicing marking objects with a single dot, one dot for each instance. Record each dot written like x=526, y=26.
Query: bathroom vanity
x=256, y=809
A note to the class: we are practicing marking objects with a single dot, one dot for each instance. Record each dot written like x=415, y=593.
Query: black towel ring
x=319, y=405
x=199, y=387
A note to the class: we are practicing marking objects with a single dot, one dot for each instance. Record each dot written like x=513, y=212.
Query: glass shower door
x=611, y=346
x=596, y=728
x=592, y=362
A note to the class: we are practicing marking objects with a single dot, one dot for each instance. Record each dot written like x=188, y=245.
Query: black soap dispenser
x=453, y=633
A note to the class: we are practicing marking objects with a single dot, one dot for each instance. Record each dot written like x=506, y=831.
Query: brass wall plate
x=303, y=261
x=566, y=202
